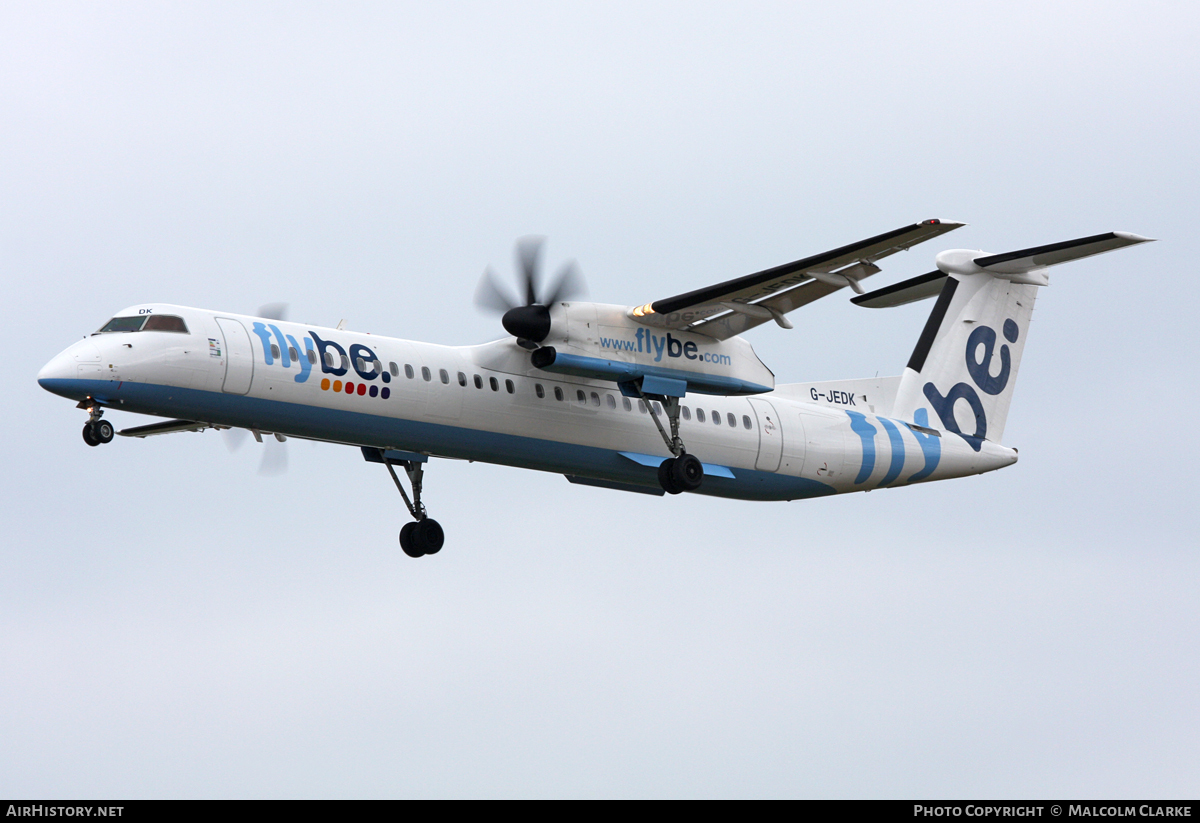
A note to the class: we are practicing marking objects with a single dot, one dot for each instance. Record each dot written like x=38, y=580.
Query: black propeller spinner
x=529, y=322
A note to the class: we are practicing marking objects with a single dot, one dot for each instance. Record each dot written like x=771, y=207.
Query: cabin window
x=625, y=402
x=378, y=367
x=462, y=380
x=478, y=382
x=558, y=393
x=394, y=369
x=581, y=397
x=494, y=383
x=612, y=401
x=345, y=362
x=686, y=413
x=699, y=415
x=657, y=408
x=295, y=355
x=595, y=399
x=426, y=374
x=164, y=322
x=362, y=364
x=445, y=375
x=642, y=406
x=509, y=387
x=408, y=371
x=746, y=424
x=329, y=359
x=539, y=391
x=731, y=420
x=716, y=418
x=312, y=357
x=275, y=351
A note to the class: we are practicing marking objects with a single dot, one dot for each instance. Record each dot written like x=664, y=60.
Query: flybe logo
x=330, y=356
x=982, y=339
x=646, y=342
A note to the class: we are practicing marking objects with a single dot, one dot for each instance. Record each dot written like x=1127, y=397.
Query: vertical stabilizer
x=961, y=374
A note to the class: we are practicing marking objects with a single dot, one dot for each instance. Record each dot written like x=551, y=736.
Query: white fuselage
x=489, y=403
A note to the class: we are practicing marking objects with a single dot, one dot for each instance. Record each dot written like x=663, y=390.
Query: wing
x=167, y=427
x=732, y=307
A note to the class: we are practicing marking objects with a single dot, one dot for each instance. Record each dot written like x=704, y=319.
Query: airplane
x=661, y=398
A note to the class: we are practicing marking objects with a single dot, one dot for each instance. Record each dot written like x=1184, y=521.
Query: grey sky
x=175, y=625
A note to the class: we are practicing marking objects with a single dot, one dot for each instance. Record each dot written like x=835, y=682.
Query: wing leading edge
x=730, y=308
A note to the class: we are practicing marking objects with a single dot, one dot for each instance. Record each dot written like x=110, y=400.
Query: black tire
x=406, y=541
x=666, y=476
x=688, y=472
x=88, y=436
x=102, y=430
x=428, y=536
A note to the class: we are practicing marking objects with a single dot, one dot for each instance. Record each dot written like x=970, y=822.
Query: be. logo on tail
x=980, y=370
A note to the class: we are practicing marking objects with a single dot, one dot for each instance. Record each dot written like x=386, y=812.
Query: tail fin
x=961, y=374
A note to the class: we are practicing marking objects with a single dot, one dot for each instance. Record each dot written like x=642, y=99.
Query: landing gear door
x=239, y=357
x=770, y=435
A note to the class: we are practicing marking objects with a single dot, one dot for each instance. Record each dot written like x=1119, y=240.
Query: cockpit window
x=123, y=324
x=164, y=322
x=152, y=322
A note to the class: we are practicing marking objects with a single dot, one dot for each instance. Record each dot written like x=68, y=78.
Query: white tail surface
x=961, y=374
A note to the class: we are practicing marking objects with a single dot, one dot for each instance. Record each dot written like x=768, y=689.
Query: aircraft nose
x=61, y=374
x=62, y=367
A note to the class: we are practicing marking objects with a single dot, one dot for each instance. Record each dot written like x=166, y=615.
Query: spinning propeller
x=528, y=321
x=275, y=458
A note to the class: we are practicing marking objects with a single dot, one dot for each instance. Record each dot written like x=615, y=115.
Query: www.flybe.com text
x=646, y=342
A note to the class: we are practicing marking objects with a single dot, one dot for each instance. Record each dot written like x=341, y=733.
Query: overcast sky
x=174, y=624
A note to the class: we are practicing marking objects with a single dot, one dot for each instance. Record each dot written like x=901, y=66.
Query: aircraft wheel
x=688, y=472
x=666, y=477
x=102, y=431
x=89, y=436
x=428, y=536
x=406, y=541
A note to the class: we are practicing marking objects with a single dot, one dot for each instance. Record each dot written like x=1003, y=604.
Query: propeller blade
x=273, y=311
x=274, y=459
x=528, y=250
x=569, y=285
x=493, y=297
x=234, y=438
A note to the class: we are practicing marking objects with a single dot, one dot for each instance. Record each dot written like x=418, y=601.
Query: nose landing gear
x=96, y=430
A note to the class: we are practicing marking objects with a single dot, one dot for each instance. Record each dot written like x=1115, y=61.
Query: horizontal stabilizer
x=906, y=291
x=166, y=427
x=1016, y=262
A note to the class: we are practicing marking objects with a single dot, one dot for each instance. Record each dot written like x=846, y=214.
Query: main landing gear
x=96, y=430
x=425, y=536
x=683, y=472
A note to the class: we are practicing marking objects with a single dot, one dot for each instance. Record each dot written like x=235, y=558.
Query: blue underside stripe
x=362, y=429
